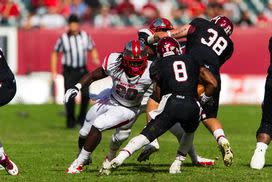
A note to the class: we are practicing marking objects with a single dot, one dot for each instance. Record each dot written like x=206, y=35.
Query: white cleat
x=175, y=167
x=106, y=166
x=227, y=153
x=258, y=159
x=75, y=167
x=201, y=161
x=148, y=151
x=9, y=166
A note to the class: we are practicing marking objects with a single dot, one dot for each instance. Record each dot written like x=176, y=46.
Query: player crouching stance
x=7, y=92
x=130, y=74
x=176, y=78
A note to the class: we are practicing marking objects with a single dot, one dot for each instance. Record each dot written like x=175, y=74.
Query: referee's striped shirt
x=74, y=49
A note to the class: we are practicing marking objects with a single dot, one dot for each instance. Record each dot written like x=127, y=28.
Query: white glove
x=72, y=92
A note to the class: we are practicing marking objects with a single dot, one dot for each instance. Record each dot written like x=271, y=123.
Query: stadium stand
x=115, y=13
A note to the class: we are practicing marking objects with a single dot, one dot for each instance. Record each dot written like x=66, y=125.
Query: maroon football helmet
x=160, y=24
x=168, y=46
x=134, y=58
x=223, y=22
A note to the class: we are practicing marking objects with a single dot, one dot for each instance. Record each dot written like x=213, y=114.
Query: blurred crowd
x=117, y=13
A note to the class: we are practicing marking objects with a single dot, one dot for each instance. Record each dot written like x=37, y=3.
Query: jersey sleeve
x=59, y=45
x=111, y=63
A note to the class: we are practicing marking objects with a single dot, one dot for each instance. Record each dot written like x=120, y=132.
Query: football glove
x=71, y=93
x=206, y=100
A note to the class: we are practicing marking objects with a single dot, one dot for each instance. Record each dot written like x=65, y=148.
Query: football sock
x=192, y=153
x=133, y=145
x=186, y=143
x=83, y=156
x=219, y=135
x=260, y=146
x=114, y=146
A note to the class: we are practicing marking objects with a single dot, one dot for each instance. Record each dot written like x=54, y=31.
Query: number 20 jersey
x=127, y=92
x=210, y=42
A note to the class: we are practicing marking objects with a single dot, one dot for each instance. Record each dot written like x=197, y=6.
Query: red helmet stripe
x=136, y=49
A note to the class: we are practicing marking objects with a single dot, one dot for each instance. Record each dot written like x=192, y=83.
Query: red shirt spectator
x=9, y=8
x=51, y=3
x=126, y=7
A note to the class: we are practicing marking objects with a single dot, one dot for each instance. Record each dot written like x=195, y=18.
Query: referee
x=74, y=45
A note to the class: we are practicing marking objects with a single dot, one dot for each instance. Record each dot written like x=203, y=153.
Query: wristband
x=204, y=97
x=78, y=86
x=169, y=33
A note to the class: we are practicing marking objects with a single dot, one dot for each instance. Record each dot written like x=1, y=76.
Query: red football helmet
x=160, y=24
x=223, y=22
x=134, y=58
x=168, y=46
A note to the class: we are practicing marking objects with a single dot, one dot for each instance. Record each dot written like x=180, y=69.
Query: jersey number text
x=180, y=71
x=218, y=44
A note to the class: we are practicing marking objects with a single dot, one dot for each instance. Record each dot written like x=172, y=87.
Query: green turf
x=36, y=139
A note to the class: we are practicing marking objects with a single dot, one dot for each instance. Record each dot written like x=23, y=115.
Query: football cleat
x=75, y=167
x=175, y=167
x=106, y=166
x=9, y=166
x=148, y=151
x=258, y=159
x=226, y=152
x=201, y=161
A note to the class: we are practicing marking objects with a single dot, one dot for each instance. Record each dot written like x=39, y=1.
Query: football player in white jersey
x=130, y=74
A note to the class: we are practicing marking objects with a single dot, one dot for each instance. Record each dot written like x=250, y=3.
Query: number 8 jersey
x=127, y=91
x=209, y=42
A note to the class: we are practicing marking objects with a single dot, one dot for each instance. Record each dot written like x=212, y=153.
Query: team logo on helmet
x=134, y=58
x=223, y=22
x=168, y=46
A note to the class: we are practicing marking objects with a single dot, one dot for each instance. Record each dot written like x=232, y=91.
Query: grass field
x=36, y=139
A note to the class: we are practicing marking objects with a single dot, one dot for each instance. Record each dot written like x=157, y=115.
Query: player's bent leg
x=134, y=144
x=92, y=141
x=153, y=146
x=215, y=127
x=185, y=143
x=178, y=132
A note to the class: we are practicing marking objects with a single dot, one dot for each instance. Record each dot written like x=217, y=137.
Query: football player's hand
x=206, y=100
x=71, y=93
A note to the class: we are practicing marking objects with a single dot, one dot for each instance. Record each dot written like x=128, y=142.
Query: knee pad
x=121, y=135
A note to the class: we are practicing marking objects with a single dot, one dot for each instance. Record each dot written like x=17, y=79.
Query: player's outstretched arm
x=97, y=74
x=176, y=33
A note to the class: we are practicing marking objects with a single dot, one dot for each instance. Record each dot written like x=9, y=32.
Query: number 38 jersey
x=209, y=42
x=177, y=74
x=128, y=92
